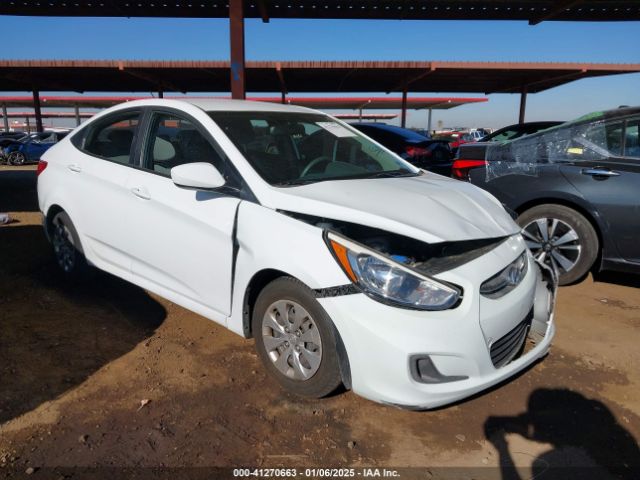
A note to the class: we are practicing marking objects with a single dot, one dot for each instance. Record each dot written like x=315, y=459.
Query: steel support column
x=236, y=32
x=26, y=120
x=5, y=117
x=403, y=121
x=429, y=121
x=37, y=110
x=76, y=108
x=523, y=104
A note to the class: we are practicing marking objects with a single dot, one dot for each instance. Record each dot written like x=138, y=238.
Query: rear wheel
x=295, y=339
x=561, y=238
x=16, y=158
x=66, y=247
x=441, y=155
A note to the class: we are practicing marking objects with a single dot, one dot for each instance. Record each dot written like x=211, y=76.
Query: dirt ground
x=104, y=374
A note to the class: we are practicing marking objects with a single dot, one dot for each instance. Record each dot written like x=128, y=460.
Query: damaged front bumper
x=454, y=347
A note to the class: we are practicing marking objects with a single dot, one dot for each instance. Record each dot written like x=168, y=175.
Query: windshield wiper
x=387, y=174
x=395, y=174
x=296, y=181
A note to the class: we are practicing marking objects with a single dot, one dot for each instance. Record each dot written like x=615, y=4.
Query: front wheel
x=16, y=158
x=295, y=339
x=561, y=238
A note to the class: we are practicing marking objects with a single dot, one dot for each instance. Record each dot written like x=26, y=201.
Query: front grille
x=509, y=346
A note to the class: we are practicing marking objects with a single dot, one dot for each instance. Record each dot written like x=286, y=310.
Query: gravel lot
x=105, y=374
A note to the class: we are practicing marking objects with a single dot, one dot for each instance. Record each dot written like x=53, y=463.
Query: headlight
x=388, y=281
x=506, y=279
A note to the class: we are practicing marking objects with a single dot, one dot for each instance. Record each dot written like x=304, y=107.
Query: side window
x=614, y=138
x=47, y=139
x=631, y=140
x=595, y=141
x=112, y=138
x=175, y=141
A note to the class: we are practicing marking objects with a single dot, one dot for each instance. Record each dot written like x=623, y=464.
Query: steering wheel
x=313, y=163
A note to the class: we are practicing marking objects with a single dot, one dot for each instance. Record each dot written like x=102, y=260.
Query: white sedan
x=346, y=264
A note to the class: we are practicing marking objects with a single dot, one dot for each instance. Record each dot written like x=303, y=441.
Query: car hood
x=429, y=207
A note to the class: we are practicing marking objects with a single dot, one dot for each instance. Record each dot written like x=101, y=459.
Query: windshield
x=299, y=148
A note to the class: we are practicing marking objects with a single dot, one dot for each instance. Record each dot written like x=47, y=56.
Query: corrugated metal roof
x=298, y=76
x=528, y=10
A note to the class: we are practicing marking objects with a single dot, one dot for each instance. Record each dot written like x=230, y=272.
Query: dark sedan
x=574, y=188
x=421, y=151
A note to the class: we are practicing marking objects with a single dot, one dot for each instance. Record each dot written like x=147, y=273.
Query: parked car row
x=20, y=148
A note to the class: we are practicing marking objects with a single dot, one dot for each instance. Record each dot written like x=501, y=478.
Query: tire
x=571, y=245
x=441, y=155
x=67, y=248
x=16, y=158
x=306, y=334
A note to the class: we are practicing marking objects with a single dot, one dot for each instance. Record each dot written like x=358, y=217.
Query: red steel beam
x=236, y=32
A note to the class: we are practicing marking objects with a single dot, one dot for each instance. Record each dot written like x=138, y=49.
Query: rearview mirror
x=199, y=175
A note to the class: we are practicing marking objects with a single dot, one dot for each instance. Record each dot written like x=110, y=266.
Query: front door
x=181, y=240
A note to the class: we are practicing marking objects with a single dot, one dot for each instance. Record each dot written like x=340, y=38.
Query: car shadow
x=586, y=439
x=618, y=278
x=18, y=190
x=54, y=335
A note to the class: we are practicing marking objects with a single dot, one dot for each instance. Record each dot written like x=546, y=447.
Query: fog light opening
x=423, y=370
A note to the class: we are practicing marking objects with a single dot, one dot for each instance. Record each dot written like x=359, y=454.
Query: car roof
x=221, y=104
x=532, y=124
x=606, y=115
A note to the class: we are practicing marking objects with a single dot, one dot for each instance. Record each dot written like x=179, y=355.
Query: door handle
x=74, y=167
x=599, y=172
x=141, y=192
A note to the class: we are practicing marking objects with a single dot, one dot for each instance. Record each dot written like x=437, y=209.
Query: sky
x=208, y=39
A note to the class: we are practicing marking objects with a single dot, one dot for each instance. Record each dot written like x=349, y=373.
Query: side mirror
x=199, y=175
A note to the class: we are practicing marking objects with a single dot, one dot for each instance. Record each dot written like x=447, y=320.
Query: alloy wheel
x=292, y=340
x=16, y=158
x=63, y=246
x=553, y=242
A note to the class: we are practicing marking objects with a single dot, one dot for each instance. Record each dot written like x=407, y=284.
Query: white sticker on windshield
x=336, y=129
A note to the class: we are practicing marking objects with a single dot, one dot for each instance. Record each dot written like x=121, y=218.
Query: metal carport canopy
x=533, y=11
x=297, y=76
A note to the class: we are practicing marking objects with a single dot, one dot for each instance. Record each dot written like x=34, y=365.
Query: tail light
x=413, y=151
x=41, y=166
x=461, y=168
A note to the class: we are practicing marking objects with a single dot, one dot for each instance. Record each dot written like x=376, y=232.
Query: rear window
x=112, y=138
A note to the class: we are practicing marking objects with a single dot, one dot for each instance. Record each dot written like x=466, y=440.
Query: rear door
x=180, y=239
x=97, y=182
x=603, y=163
